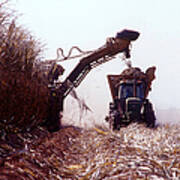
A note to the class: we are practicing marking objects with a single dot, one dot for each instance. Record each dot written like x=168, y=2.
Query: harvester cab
x=129, y=92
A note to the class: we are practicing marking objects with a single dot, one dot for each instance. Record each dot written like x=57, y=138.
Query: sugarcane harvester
x=58, y=92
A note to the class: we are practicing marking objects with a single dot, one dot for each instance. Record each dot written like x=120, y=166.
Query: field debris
x=135, y=152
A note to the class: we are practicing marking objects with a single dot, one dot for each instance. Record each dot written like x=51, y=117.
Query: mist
x=75, y=115
x=95, y=93
x=170, y=116
x=158, y=46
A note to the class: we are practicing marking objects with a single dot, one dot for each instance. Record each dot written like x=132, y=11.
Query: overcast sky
x=87, y=23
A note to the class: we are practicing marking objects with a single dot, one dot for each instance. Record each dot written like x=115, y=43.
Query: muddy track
x=72, y=153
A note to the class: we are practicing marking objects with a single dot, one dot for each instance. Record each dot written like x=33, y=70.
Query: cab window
x=126, y=90
x=140, y=91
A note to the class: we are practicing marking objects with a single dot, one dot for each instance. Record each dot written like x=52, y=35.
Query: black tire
x=112, y=118
x=149, y=115
x=113, y=122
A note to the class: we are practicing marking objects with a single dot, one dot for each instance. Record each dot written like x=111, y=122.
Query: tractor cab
x=130, y=99
x=131, y=88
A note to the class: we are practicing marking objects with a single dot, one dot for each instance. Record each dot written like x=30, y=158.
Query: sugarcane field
x=106, y=111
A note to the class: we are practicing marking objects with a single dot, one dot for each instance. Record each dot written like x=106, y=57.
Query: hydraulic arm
x=112, y=47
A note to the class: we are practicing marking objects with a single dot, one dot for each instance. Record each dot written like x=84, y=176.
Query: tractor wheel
x=112, y=124
x=149, y=115
x=110, y=121
x=116, y=122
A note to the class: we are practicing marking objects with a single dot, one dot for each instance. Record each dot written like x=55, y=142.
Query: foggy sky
x=64, y=23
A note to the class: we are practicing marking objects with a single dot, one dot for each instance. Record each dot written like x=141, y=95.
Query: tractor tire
x=112, y=123
x=149, y=115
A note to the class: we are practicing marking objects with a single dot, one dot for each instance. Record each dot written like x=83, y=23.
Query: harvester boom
x=105, y=53
x=98, y=57
x=112, y=47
